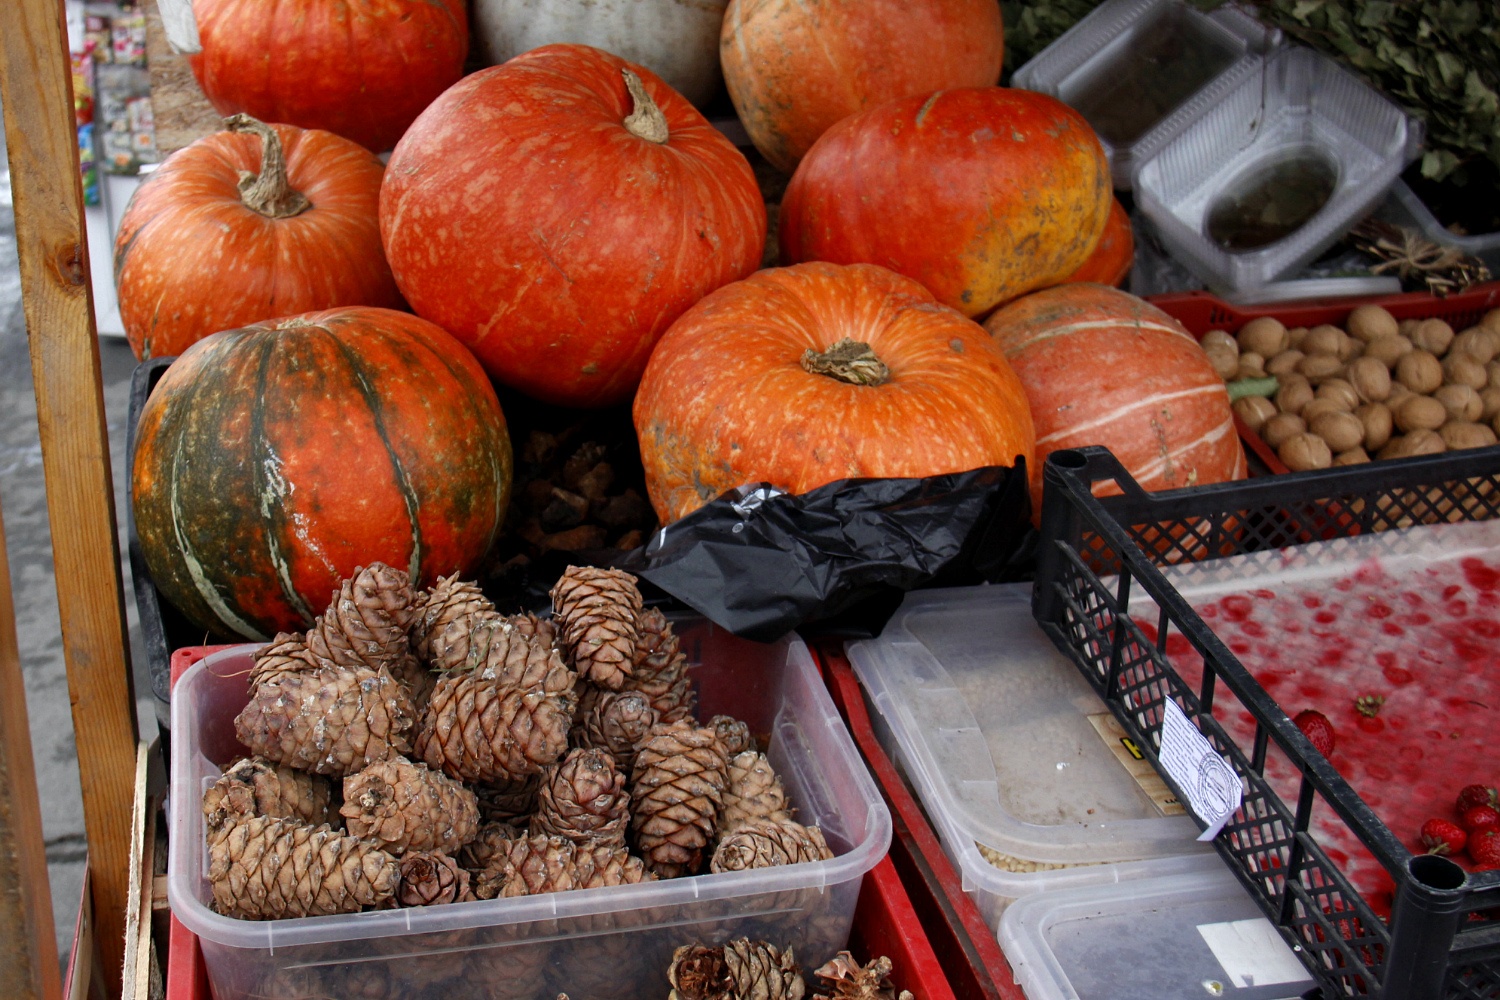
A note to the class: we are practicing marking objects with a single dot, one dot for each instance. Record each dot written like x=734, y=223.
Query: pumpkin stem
x=646, y=121
x=848, y=361
x=268, y=193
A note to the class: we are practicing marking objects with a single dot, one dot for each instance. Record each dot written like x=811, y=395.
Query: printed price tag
x=1212, y=788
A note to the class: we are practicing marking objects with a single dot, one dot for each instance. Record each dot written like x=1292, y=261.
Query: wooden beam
x=28, y=942
x=37, y=92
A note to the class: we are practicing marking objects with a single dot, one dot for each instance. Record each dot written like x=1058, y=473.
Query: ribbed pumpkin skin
x=795, y=68
x=272, y=461
x=362, y=68
x=1101, y=366
x=980, y=194
x=1113, y=257
x=192, y=259
x=521, y=215
x=725, y=400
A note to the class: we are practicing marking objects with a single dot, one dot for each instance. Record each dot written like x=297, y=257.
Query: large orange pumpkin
x=796, y=68
x=1114, y=255
x=1101, y=366
x=980, y=194
x=362, y=68
x=200, y=250
x=558, y=212
x=804, y=375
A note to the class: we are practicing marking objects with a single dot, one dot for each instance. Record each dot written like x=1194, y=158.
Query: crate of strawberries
x=1333, y=640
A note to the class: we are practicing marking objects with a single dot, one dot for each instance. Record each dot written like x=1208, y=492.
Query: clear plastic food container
x=608, y=942
x=1275, y=172
x=1140, y=71
x=1007, y=747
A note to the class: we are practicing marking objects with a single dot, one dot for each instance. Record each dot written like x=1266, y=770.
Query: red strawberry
x=1318, y=730
x=1477, y=795
x=1440, y=836
x=1479, y=817
x=1484, y=848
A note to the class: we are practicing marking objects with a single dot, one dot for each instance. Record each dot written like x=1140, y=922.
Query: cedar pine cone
x=741, y=970
x=583, y=798
x=449, y=602
x=480, y=730
x=406, y=807
x=754, y=792
x=287, y=653
x=430, y=878
x=532, y=865
x=332, y=720
x=616, y=722
x=596, y=612
x=851, y=981
x=677, y=790
x=501, y=649
x=262, y=868
x=660, y=671
x=734, y=735
x=254, y=786
x=365, y=624
x=765, y=844
x=492, y=839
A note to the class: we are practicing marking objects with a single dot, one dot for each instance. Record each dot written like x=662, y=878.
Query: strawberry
x=1477, y=795
x=1318, y=730
x=1484, y=848
x=1440, y=836
x=1479, y=817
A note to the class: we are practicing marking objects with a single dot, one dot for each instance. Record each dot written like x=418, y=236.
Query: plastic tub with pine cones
x=614, y=941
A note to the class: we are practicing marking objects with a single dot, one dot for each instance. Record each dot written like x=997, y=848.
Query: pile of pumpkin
x=569, y=225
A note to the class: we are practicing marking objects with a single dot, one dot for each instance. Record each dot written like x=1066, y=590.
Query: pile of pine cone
x=481, y=756
x=757, y=970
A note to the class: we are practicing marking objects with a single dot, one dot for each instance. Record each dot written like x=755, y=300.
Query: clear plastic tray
x=1162, y=939
x=1404, y=208
x=608, y=942
x=993, y=728
x=1141, y=71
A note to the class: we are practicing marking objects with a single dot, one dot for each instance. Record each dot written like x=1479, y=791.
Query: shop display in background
x=112, y=88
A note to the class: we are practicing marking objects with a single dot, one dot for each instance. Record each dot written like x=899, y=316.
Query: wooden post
x=28, y=943
x=37, y=90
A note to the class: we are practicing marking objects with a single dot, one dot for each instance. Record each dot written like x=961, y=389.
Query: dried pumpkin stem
x=848, y=361
x=269, y=192
x=646, y=121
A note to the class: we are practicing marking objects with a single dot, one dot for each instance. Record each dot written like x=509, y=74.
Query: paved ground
x=24, y=505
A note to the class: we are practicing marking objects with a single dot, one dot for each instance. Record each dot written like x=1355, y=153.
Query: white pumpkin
x=676, y=39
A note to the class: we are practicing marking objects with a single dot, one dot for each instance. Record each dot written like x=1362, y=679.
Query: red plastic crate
x=885, y=922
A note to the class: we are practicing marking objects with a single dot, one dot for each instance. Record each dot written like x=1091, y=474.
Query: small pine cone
x=764, y=844
x=365, y=624
x=754, y=792
x=583, y=798
x=492, y=839
x=500, y=650
x=508, y=801
x=851, y=981
x=333, y=720
x=678, y=788
x=661, y=669
x=598, y=865
x=254, y=786
x=262, y=868
x=734, y=735
x=479, y=730
x=526, y=867
x=430, y=878
x=741, y=970
x=450, y=601
x=285, y=654
x=406, y=807
x=596, y=612
x=616, y=722
x=544, y=630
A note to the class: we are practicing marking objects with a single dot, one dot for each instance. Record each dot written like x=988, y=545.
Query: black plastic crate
x=1094, y=551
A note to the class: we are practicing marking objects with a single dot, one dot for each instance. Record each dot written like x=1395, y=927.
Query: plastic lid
x=1145, y=940
x=993, y=725
x=1317, y=288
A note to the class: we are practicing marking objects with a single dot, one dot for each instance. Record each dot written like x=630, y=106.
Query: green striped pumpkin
x=272, y=461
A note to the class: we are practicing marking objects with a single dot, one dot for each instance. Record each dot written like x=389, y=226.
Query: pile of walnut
x=756, y=970
x=419, y=748
x=1381, y=389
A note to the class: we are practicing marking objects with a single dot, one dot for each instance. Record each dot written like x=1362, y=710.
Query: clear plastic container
x=1162, y=939
x=1140, y=71
x=996, y=730
x=1404, y=208
x=1305, y=149
x=609, y=942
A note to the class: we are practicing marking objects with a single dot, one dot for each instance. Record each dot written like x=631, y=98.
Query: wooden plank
x=28, y=943
x=137, y=958
x=181, y=112
x=36, y=91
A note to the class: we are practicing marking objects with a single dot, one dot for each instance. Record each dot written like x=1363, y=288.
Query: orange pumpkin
x=1112, y=259
x=980, y=194
x=804, y=375
x=795, y=68
x=1101, y=366
x=199, y=250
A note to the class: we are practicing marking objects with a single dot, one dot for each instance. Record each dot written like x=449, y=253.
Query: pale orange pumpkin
x=1114, y=255
x=804, y=375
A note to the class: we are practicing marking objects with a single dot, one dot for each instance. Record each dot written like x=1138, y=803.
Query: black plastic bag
x=761, y=563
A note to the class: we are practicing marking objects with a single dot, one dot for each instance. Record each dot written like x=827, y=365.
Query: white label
x=1212, y=788
x=1252, y=953
x=179, y=24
